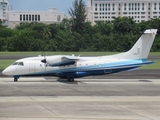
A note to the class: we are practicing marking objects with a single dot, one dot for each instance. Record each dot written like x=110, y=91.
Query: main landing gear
x=71, y=79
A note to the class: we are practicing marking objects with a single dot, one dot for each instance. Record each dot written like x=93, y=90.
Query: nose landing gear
x=16, y=78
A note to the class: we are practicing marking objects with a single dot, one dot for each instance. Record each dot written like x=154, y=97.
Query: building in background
x=139, y=10
x=4, y=5
x=48, y=17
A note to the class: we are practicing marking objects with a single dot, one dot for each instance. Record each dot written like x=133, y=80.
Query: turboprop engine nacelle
x=59, y=60
x=52, y=60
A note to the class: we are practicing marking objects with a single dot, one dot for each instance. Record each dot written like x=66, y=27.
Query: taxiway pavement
x=84, y=99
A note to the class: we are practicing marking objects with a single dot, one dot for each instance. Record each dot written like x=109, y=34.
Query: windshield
x=18, y=63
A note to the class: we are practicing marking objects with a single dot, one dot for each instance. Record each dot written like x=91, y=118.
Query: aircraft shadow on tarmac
x=49, y=80
x=65, y=81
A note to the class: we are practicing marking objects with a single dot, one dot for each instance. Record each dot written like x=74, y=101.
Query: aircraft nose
x=6, y=71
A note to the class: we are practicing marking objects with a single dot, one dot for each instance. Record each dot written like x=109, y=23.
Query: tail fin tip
x=154, y=31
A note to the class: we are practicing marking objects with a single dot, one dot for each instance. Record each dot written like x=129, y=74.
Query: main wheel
x=71, y=79
x=15, y=79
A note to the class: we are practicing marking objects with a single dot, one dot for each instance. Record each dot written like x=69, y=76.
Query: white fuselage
x=83, y=67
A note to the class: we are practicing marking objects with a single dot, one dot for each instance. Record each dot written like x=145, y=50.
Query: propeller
x=44, y=60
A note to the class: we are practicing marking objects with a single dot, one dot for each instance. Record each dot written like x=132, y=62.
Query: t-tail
x=142, y=47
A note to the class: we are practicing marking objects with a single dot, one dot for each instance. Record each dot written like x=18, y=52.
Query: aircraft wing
x=66, y=61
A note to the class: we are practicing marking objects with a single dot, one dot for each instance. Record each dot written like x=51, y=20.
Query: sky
x=41, y=5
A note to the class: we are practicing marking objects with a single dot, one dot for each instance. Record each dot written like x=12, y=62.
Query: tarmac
x=85, y=99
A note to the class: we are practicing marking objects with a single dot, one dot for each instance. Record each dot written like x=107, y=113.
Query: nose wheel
x=16, y=78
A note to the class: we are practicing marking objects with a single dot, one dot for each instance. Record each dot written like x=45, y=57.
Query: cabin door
x=32, y=67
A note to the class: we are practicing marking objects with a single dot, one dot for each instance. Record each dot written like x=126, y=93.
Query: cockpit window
x=18, y=63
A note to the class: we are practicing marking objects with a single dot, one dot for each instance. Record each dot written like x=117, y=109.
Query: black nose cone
x=44, y=61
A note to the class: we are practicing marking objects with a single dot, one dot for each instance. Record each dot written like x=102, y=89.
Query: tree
x=155, y=23
x=104, y=27
x=65, y=24
x=46, y=36
x=22, y=26
x=78, y=16
x=0, y=23
x=65, y=41
x=124, y=25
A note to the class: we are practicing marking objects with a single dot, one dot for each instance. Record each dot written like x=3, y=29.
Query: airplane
x=70, y=66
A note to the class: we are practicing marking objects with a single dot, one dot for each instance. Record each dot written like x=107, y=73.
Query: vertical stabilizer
x=142, y=47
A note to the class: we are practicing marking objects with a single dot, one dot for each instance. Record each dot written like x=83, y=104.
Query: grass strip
x=5, y=63
x=154, y=66
x=56, y=53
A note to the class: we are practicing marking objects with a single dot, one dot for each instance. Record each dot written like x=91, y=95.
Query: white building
x=47, y=17
x=139, y=10
x=3, y=11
